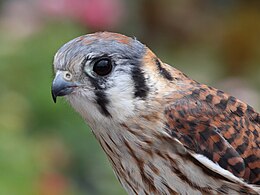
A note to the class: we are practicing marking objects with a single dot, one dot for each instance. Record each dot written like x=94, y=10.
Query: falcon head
x=106, y=75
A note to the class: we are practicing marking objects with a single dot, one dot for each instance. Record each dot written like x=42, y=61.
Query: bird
x=163, y=132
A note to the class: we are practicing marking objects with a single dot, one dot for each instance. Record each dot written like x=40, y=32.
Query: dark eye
x=102, y=67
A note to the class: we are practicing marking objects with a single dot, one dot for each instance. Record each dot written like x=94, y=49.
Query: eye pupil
x=102, y=67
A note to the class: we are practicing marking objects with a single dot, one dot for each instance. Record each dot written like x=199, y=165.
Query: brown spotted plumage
x=226, y=130
x=163, y=132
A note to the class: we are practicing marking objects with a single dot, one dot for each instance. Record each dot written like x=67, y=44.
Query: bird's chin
x=73, y=98
x=86, y=108
x=78, y=100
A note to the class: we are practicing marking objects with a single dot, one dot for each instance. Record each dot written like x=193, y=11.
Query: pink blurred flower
x=93, y=13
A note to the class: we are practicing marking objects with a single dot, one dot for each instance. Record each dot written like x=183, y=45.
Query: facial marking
x=141, y=88
x=166, y=74
x=103, y=101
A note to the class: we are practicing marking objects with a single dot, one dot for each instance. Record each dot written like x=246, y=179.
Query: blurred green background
x=47, y=149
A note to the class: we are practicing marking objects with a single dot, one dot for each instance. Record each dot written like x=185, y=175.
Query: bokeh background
x=46, y=149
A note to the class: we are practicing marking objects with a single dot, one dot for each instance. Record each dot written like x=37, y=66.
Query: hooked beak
x=61, y=86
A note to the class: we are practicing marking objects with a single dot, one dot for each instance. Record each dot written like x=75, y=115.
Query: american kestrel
x=163, y=132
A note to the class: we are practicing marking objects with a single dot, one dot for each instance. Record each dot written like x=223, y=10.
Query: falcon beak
x=62, y=85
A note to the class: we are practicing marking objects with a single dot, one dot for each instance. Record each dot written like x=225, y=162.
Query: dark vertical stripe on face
x=101, y=97
x=141, y=88
x=102, y=101
x=163, y=71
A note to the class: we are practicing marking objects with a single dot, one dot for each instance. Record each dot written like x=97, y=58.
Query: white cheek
x=120, y=95
x=121, y=102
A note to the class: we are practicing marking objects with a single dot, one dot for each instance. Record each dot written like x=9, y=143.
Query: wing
x=225, y=130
